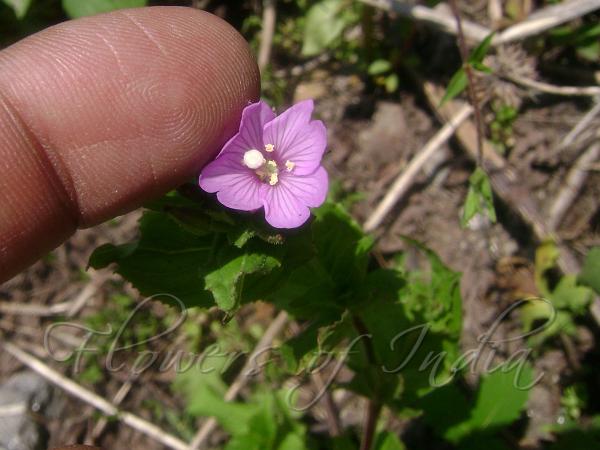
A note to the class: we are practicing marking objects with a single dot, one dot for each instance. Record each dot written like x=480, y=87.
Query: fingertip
x=114, y=110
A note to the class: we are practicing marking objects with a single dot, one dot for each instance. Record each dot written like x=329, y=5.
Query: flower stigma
x=267, y=170
x=253, y=159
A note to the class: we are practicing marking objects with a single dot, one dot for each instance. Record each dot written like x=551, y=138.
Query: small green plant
x=501, y=128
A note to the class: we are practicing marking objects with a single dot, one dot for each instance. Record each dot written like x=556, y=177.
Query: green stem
x=370, y=426
x=375, y=406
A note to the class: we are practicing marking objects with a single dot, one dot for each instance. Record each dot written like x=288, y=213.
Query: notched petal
x=250, y=134
x=236, y=186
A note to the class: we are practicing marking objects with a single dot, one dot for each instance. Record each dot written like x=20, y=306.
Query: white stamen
x=269, y=148
x=273, y=179
x=289, y=165
x=253, y=159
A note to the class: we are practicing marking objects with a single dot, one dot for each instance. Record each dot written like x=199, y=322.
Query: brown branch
x=464, y=54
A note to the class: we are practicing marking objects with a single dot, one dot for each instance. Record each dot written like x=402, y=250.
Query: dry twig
x=547, y=88
x=538, y=22
x=69, y=307
x=573, y=184
x=268, y=30
x=580, y=126
x=472, y=31
x=545, y=19
x=129, y=419
x=406, y=178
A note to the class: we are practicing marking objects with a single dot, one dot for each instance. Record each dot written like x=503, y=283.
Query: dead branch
x=538, y=22
x=545, y=19
x=573, y=183
x=266, y=36
x=583, y=123
x=406, y=178
x=445, y=22
x=547, y=88
x=89, y=397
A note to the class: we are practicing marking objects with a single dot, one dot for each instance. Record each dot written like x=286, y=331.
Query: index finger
x=100, y=114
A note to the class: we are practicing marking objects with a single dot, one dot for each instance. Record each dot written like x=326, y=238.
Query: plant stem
x=375, y=406
x=373, y=411
x=464, y=54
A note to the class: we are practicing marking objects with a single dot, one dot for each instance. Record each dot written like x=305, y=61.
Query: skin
x=101, y=114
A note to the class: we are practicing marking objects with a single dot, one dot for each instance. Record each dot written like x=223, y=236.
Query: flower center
x=253, y=159
x=267, y=170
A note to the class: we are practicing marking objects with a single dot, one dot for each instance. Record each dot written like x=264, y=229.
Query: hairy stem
x=375, y=406
x=464, y=54
x=373, y=412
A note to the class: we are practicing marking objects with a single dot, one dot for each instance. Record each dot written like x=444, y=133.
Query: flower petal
x=236, y=186
x=286, y=204
x=296, y=138
x=254, y=118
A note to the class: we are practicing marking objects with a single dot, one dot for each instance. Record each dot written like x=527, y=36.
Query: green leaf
x=391, y=83
x=481, y=50
x=166, y=260
x=190, y=262
x=20, y=7
x=590, y=274
x=480, y=198
x=481, y=67
x=324, y=24
x=501, y=398
x=226, y=282
x=379, y=66
x=388, y=441
x=342, y=247
x=546, y=256
x=568, y=295
x=589, y=52
x=458, y=83
x=81, y=8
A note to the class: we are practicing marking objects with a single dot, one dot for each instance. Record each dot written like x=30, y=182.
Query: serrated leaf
x=81, y=8
x=226, y=282
x=171, y=259
x=20, y=7
x=342, y=247
x=590, y=274
x=457, y=84
x=324, y=24
x=166, y=260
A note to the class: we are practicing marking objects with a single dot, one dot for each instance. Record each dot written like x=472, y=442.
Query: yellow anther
x=269, y=148
x=289, y=165
x=273, y=179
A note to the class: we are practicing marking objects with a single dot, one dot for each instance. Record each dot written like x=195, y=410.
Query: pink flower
x=274, y=163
